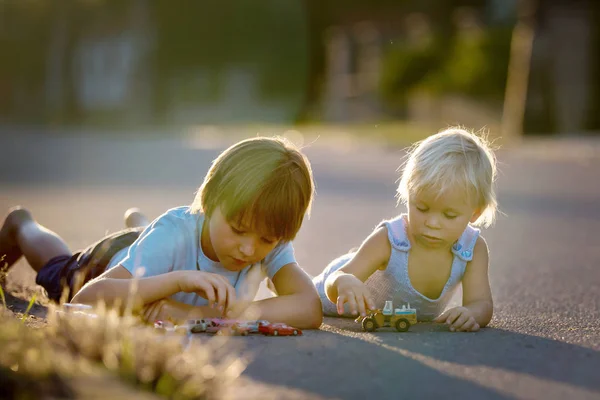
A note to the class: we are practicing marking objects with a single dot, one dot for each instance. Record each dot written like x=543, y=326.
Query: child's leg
x=134, y=218
x=21, y=235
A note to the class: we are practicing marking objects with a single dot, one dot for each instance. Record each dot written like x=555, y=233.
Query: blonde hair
x=453, y=158
x=267, y=180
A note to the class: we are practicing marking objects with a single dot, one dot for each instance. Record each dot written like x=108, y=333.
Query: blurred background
x=512, y=66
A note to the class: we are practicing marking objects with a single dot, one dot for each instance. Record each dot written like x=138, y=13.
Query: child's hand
x=213, y=287
x=353, y=291
x=460, y=319
x=165, y=310
x=154, y=312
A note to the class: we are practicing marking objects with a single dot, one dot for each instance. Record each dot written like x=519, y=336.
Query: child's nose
x=432, y=222
x=247, y=247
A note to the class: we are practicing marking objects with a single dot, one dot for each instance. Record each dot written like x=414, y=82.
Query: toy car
x=197, y=325
x=244, y=328
x=164, y=326
x=251, y=326
x=278, y=329
x=220, y=326
x=399, y=318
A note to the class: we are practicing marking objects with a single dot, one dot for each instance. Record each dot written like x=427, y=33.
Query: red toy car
x=278, y=329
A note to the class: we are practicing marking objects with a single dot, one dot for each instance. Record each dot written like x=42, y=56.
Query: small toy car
x=399, y=318
x=197, y=325
x=251, y=326
x=164, y=326
x=278, y=329
x=220, y=326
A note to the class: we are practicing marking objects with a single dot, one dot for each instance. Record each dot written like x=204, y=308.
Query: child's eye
x=268, y=241
x=451, y=216
x=237, y=231
x=422, y=209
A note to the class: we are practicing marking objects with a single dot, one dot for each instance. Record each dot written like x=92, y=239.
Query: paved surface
x=544, y=340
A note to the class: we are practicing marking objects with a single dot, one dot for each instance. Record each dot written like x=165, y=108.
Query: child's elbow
x=486, y=315
x=83, y=296
x=315, y=311
x=89, y=293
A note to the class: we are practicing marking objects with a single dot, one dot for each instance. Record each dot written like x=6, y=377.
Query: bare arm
x=297, y=303
x=115, y=285
x=372, y=255
x=477, y=295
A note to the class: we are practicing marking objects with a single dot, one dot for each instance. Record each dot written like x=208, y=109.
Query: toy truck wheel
x=402, y=325
x=275, y=333
x=295, y=332
x=369, y=324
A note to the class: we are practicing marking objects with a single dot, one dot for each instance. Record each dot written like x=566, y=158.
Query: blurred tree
x=268, y=36
x=594, y=110
x=465, y=58
x=23, y=40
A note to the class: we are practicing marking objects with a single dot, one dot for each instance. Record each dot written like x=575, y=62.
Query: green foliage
x=3, y=298
x=404, y=67
x=267, y=35
x=475, y=65
x=31, y=303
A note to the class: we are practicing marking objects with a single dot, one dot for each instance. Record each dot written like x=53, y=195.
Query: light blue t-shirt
x=172, y=243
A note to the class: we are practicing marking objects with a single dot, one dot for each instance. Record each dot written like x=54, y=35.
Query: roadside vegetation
x=75, y=355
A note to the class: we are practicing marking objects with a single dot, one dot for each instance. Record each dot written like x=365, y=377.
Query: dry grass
x=74, y=347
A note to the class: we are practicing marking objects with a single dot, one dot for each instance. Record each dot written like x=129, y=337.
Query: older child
x=206, y=259
x=421, y=257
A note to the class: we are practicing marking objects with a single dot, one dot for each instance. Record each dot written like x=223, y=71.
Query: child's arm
x=476, y=311
x=297, y=304
x=346, y=285
x=154, y=253
x=175, y=311
x=115, y=285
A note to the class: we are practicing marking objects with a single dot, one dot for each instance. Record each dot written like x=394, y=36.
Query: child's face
x=234, y=246
x=439, y=222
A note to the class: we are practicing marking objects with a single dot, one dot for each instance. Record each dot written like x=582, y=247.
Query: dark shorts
x=73, y=271
x=57, y=275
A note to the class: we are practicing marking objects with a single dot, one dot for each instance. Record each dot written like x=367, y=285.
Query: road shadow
x=428, y=361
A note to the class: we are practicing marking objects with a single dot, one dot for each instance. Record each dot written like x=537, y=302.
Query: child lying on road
x=421, y=257
x=202, y=260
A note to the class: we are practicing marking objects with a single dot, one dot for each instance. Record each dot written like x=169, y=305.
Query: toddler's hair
x=265, y=181
x=453, y=158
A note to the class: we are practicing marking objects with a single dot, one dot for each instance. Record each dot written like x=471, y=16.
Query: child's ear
x=476, y=216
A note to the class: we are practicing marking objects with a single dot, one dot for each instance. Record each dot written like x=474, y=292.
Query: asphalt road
x=544, y=339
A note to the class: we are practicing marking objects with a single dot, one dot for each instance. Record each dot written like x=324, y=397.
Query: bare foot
x=134, y=218
x=9, y=249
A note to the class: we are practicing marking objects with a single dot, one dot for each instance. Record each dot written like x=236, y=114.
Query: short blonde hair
x=267, y=180
x=453, y=158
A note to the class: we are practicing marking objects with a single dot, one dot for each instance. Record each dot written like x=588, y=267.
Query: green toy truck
x=399, y=318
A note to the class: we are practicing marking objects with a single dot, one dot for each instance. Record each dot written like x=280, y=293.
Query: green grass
x=74, y=347
x=3, y=298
